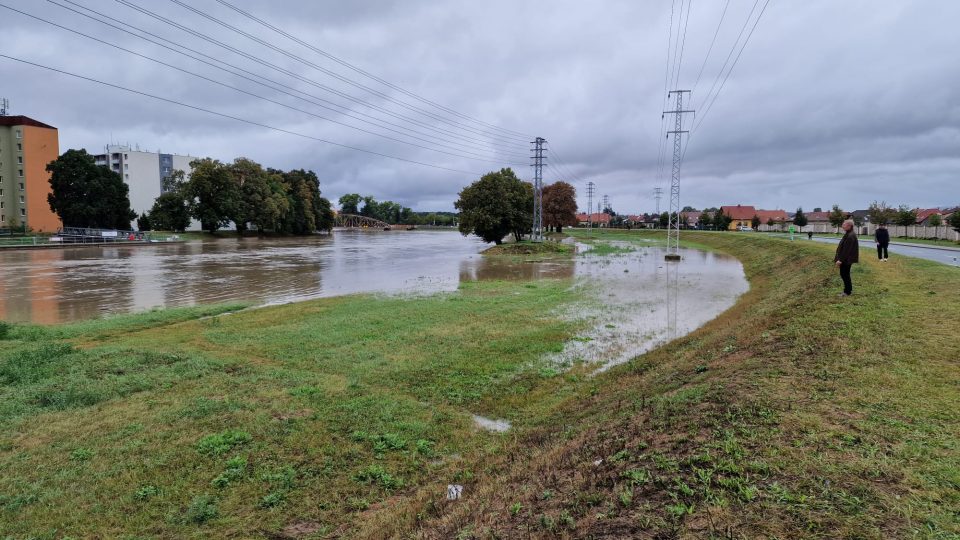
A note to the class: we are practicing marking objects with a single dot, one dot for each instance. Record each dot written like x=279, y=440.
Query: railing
x=85, y=235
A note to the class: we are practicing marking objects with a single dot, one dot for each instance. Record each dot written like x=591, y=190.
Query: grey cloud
x=832, y=102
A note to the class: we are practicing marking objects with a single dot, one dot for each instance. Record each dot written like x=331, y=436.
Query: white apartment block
x=144, y=172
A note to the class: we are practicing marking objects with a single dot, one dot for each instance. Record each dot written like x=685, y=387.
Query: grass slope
x=794, y=415
x=189, y=424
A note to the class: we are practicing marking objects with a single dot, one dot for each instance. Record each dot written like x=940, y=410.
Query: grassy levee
x=796, y=414
x=793, y=415
x=192, y=423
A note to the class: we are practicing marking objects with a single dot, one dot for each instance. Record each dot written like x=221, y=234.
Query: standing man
x=848, y=254
x=882, y=236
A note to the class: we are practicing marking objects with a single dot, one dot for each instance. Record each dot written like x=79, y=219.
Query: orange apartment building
x=26, y=147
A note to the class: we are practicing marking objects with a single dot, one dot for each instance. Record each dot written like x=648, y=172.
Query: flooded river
x=635, y=299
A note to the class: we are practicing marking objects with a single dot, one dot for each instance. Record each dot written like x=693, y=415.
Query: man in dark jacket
x=848, y=254
x=882, y=236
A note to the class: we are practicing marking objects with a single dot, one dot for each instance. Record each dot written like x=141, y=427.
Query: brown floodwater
x=638, y=301
x=635, y=300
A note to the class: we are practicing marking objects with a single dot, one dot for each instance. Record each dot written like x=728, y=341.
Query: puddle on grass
x=636, y=300
x=490, y=424
x=640, y=301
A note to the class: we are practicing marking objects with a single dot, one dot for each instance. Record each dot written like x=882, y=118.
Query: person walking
x=848, y=254
x=882, y=237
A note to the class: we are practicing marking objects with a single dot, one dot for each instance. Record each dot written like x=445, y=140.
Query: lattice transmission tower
x=590, y=189
x=673, y=229
x=538, y=160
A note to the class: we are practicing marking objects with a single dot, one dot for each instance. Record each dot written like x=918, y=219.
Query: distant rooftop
x=22, y=121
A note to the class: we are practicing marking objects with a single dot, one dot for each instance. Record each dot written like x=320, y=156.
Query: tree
x=211, y=194
x=496, y=205
x=721, y=221
x=799, y=219
x=170, y=212
x=954, y=219
x=705, y=220
x=755, y=221
x=905, y=216
x=85, y=195
x=836, y=217
x=880, y=213
x=936, y=220
x=664, y=220
x=688, y=209
x=771, y=222
x=559, y=206
x=818, y=209
x=308, y=211
x=349, y=203
x=143, y=222
x=261, y=197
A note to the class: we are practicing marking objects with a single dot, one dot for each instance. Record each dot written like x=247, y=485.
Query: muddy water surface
x=636, y=300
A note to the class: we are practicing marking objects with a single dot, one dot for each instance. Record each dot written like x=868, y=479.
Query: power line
x=300, y=77
x=737, y=59
x=730, y=54
x=666, y=80
x=361, y=71
x=683, y=43
x=231, y=117
x=710, y=49
x=240, y=73
x=563, y=165
x=258, y=96
x=336, y=75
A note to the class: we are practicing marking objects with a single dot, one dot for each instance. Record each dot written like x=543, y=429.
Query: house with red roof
x=599, y=219
x=740, y=216
x=924, y=215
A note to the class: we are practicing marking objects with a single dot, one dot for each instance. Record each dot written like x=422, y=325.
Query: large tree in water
x=83, y=194
x=559, y=206
x=496, y=205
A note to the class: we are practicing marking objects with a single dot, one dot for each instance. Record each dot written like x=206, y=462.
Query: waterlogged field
x=185, y=422
x=792, y=415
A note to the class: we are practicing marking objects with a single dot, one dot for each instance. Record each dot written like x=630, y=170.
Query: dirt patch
x=299, y=529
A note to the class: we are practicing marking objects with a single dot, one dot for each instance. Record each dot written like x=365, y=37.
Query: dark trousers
x=882, y=251
x=845, y=276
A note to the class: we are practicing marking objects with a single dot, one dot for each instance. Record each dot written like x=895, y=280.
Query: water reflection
x=59, y=285
x=641, y=301
x=627, y=314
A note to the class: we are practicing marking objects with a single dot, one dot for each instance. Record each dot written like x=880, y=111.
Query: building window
x=19, y=134
x=126, y=166
x=127, y=176
x=19, y=147
x=1, y=204
x=21, y=200
x=23, y=211
x=20, y=174
x=21, y=186
x=20, y=160
x=124, y=156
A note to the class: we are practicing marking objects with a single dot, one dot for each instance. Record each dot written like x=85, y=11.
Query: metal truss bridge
x=350, y=221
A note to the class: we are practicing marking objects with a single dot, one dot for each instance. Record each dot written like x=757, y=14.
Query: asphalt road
x=946, y=256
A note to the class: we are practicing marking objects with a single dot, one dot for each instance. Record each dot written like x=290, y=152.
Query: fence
x=943, y=232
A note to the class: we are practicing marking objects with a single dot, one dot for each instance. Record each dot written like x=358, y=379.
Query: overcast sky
x=832, y=101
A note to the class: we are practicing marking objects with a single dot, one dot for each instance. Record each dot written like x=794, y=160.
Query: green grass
x=192, y=423
x=531, y=251
x=793, y=415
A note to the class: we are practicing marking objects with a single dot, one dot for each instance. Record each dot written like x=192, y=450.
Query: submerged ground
x=795, y=414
